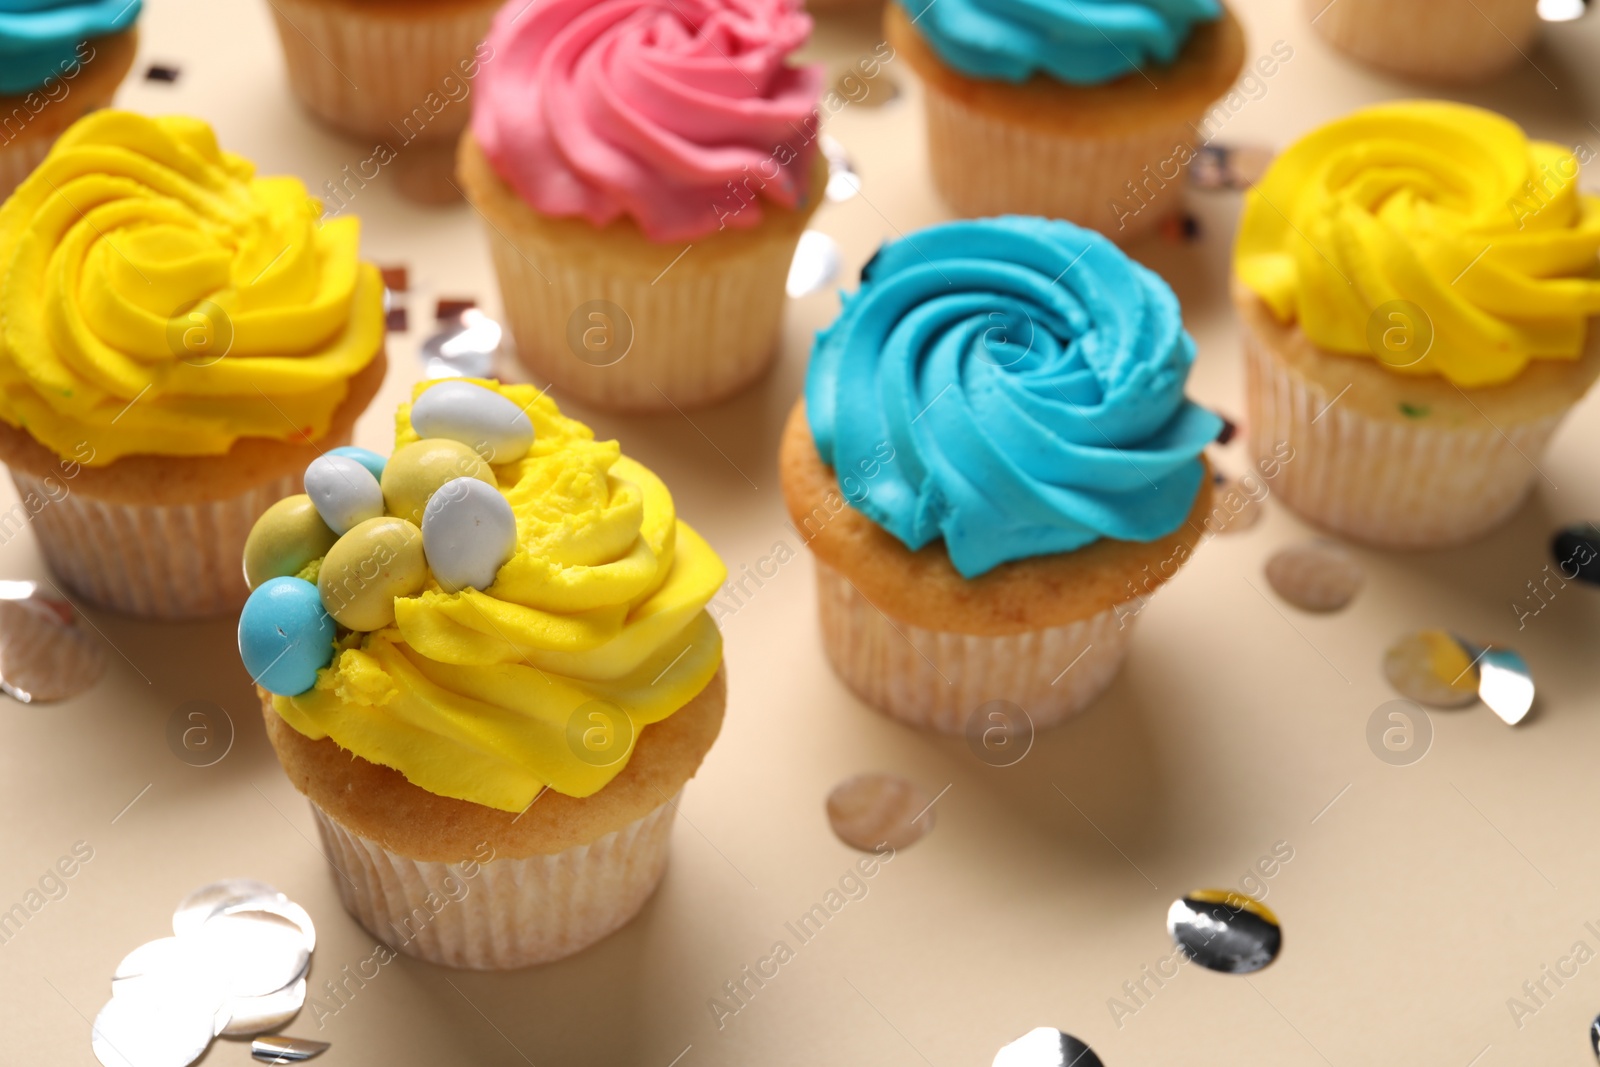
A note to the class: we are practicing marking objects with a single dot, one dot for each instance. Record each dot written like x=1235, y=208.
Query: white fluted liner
x=183, y=562
x=936, y=680
x=1383, y=481
x=983, y=167
x=699, y=336
x=363, y=70
x=512, y=912
x=18, y=160
x=1453, y=41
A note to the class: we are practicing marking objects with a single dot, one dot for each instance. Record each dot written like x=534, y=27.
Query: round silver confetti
x=843, y=181
x=1505, y=684
x=1594, y=1036
x=1315, y=576
x=251, y=953
x=146, y=1026
x=1223, y=931
x=282, y=1049
x=1046, y=1046
x=815, y=264
x=247, y=1016
x=872, y=810
x=42, y=657
x=1432, y=668
x=193, y=910
x=464, y=349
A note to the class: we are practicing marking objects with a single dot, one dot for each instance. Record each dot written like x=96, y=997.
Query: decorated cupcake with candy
x=178, y=339
x=487, y=663
x=1085, y=111
x=646, y=168
x=1417, y=288
x=59, y=60
x=995, y=467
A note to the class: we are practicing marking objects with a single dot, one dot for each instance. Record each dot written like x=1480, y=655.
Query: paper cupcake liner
x=19, y=158
x=1383, y=481
x=987, y=166
x=369, y=70
x=178, y=562
x=697, y=335
x=507, y=913
x=936, y=680
x=1427, y=39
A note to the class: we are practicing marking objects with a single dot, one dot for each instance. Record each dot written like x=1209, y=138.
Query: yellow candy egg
x=285, y=539
x=378, y=560
x=416, y=471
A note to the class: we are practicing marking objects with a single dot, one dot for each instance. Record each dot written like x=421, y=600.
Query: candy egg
x=285, y=637
x=492, y=425
x=344, y=491
x=416, y=470
x=287, y=537
x=468, y=533
x=364, y=456
x=371, y=565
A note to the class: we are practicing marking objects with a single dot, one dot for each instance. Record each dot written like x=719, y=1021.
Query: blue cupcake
x=995, y=466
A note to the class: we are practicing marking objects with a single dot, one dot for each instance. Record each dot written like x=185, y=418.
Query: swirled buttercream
x=1447, y=207
x=666, y=111
x=1081, y=42
x=156, y=297
x=1027, y=379
x=474, y=694
x=39, y=39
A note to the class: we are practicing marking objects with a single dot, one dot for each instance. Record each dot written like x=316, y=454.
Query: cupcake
x=1087, y=112
x=1415, y=284
x=59, y=60
x=486, y=661
x=645, y=168
x=178, y=339
x=1427, y=40
x=995, y=467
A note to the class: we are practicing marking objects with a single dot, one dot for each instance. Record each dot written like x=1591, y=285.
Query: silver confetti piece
x=843, y=181
x=1229, y=166
x=1315, y=576
x=245, y=1016
x=1224, y=931
x=1594, y=1036
x=815, y=264
x=465, y=348
x=252, y=953
x=193, y=910
x=1504, y=681
x=280, y=1049
x=1046, y=1047
x=146, y=1025
x=43, y=657
x=870, y=810
x=1562, y=10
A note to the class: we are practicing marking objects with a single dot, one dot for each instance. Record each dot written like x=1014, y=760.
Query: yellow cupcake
x=179, y=338
x=1416, y=284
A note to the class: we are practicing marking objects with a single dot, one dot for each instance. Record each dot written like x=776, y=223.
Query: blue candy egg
x=344, y=492
x=479, y=418
x=364, y=456
x=285, y=636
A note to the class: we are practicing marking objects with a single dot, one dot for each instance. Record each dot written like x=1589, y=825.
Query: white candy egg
x=468, y=533
x=479, y=418
x=343, y=491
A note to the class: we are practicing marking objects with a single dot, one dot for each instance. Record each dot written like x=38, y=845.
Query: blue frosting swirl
x=39, y=38
x=1082, y=42
x=1028, y=377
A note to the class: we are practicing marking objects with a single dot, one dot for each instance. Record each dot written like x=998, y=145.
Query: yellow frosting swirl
x=156, y=297
x=1448, y=207
x=473, y=694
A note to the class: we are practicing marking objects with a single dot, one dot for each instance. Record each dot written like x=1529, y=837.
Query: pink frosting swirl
x=650, y=108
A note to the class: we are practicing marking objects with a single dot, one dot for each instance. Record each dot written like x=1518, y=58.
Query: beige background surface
x=1414, y=906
